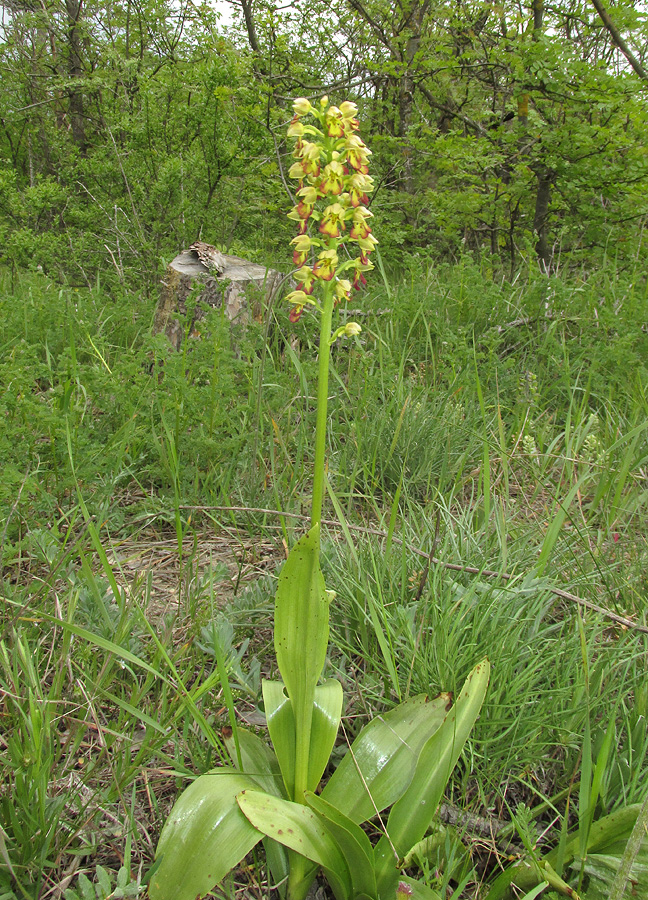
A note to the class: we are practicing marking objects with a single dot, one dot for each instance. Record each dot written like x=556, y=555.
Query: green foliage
x=541, y=477
x=82, y=362
x=514, y=135
x=103, y=888
x=205, y=835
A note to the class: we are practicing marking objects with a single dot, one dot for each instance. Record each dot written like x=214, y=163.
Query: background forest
x=130, y=129
x=487, y=444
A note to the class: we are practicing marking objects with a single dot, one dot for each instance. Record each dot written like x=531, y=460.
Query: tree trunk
x=543, y=197
x=75, y=71
x=243, y=288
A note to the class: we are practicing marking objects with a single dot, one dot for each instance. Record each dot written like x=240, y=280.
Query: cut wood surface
x=242, y=287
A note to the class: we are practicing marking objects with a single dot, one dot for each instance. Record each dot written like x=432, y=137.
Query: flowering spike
x=331, y=166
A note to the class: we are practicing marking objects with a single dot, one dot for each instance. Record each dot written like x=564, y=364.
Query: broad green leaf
x=602, y=869
x=281, y=726
x=353, y=842
x=381, y=761
x=205, y=836
x=606, y=833
x=327, y=710
x=412, y=813
x=300, y=829
x=258, y=761
x=301, y=631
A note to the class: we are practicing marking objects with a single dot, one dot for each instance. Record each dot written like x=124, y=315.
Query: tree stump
x=241, y=287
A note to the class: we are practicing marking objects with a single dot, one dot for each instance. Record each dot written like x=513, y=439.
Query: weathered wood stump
x=241, y=287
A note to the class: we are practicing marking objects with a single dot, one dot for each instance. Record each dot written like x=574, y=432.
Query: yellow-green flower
x=326, y=265
x=359, y=185
x=306, y=278
x=298, y=299
x=308, y=194
x=360, y=229
x=359, y=268
x=349, y=112
x=351, y=329
x=297, y=171
x=334, y=122
x=357, y=153
x=342, y=289
x=332, y=223
x=367, y=245
x=295, y=129
x=302, y=243
x=301, y=214
x=309, y=154
x=333, y=180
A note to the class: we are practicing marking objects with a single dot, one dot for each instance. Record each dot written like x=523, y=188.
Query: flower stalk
x=319, y=466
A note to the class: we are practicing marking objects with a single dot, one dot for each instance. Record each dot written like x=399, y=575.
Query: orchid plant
x=400, y=760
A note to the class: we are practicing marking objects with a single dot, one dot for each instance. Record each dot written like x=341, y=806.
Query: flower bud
x=351, y=329
x=348, y=109
x=302, y=106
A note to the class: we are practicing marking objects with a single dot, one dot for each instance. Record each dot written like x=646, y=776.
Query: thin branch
x=291, y=196
x=618, y=40
x=377, y=28
x=32, y=105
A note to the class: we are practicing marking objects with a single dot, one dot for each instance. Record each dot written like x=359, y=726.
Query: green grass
x=520, y=450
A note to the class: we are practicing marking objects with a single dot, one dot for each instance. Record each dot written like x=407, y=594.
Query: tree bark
x=541, y=215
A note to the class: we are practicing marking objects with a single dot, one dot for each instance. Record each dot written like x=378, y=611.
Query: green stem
x=301, y=870
x=301, y=873
x=322, y=405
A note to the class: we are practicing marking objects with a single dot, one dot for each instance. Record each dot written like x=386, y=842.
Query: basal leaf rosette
x=332, y=169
